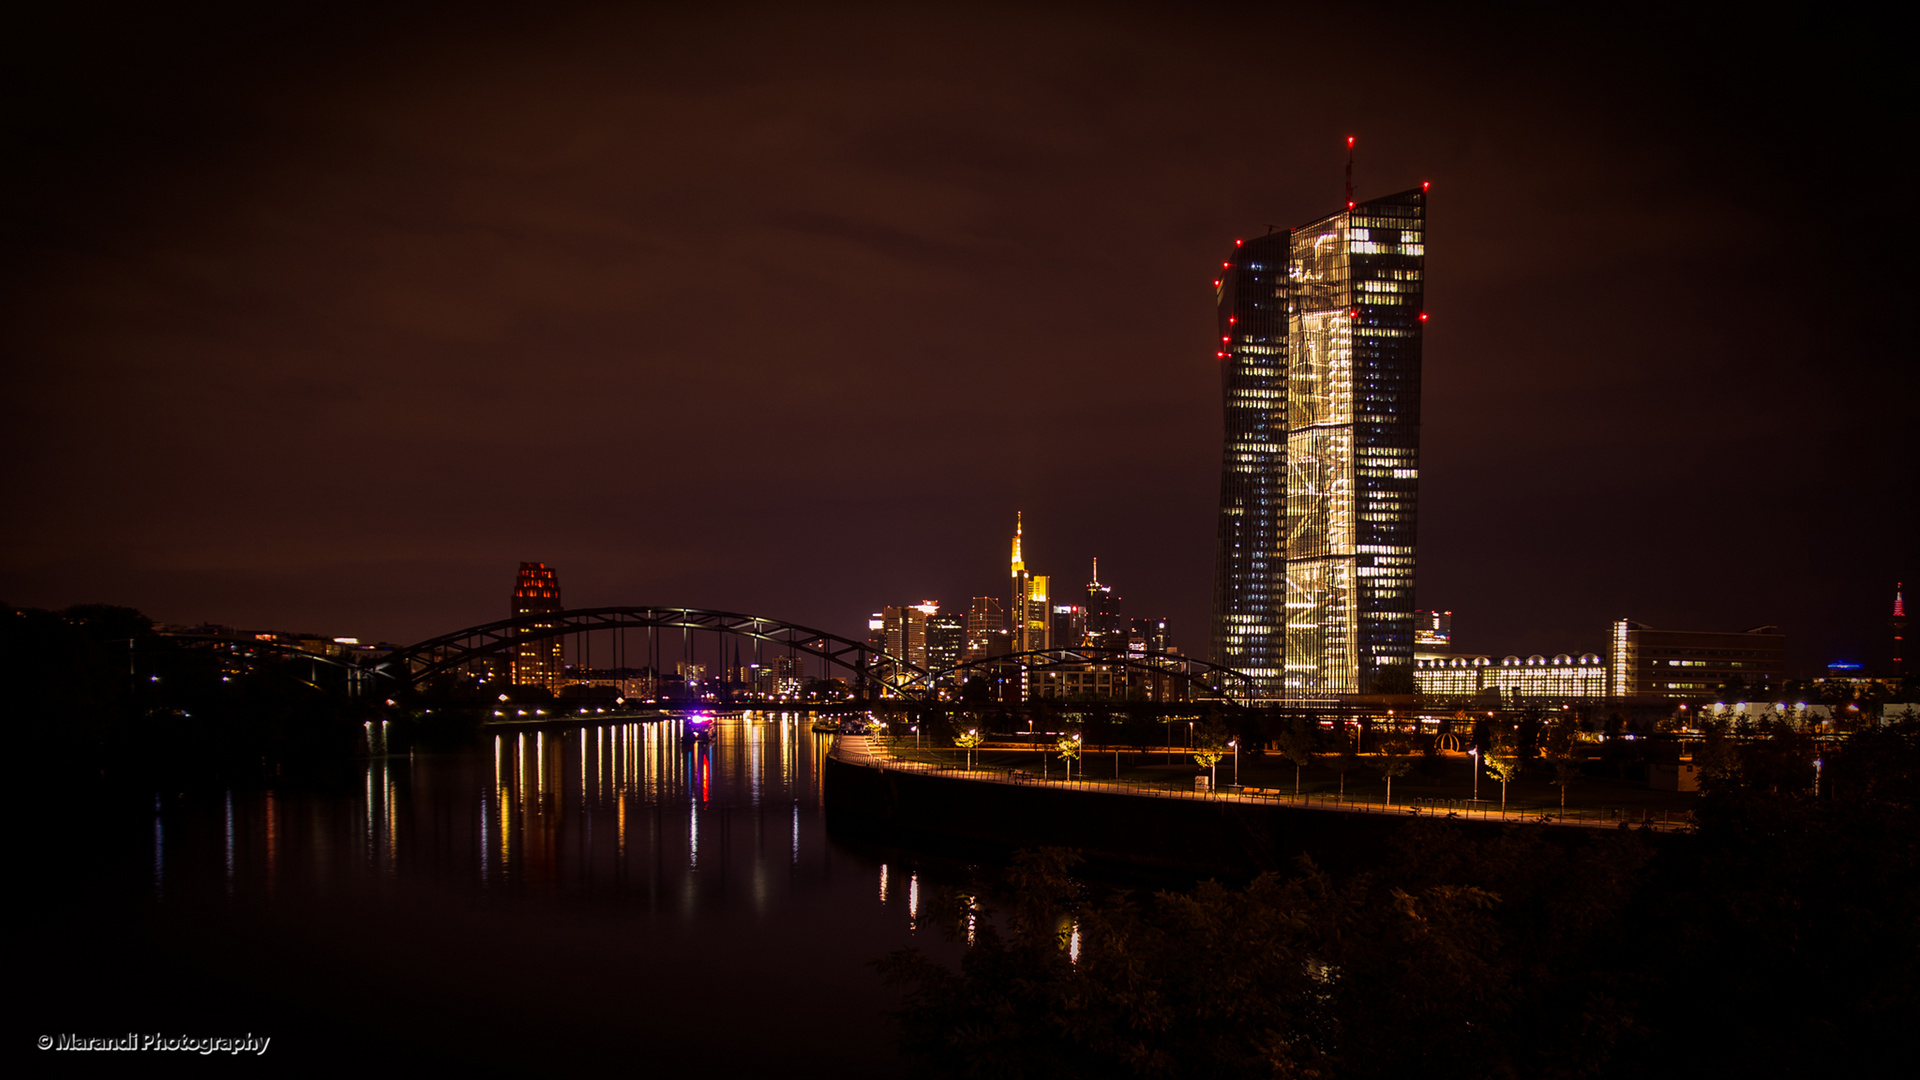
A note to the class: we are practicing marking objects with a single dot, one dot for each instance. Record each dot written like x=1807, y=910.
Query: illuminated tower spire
x=1095, y=583
x=1019, y=564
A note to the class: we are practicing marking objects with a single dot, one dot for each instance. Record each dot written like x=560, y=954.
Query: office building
x=1514, y=681
x=1106, y=628
x=1320, y=343
x=946, y=640
x=1432, y=635
x=905, y=629
x=541, y=662
x=1069, y=626
x=986, y=628
x=1693, y=664
x=1029, y=610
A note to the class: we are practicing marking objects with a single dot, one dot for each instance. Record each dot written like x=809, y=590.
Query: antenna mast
x=1349, y=172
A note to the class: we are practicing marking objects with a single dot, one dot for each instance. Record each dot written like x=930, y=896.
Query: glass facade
x=1250, y=569
x=1320, y=349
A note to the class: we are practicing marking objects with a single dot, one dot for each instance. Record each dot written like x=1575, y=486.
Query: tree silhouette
x=1296, y=744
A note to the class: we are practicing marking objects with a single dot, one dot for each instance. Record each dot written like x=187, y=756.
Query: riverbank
x=1127, y=827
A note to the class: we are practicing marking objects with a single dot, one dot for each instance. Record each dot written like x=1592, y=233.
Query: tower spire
x=1019, y=563
x=1349, y=172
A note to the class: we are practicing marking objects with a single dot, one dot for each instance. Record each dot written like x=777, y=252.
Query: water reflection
x=630, y=811
x=651, y=874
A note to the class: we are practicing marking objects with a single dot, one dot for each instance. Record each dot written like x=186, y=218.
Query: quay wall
x=1208, y=837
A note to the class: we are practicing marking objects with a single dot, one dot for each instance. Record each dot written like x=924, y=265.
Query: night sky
x=324, y=319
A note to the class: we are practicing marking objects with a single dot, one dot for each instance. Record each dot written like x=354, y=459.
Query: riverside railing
x=880, y=756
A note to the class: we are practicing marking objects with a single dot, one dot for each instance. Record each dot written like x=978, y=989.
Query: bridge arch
x=448, y=652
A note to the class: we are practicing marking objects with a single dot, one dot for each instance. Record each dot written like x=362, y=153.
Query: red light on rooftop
x=1226, y=266
x=1424, y=185
x=1216, y=283
x=1237, y=243
x=1423, y=316
x=1349, y=142
x=1349, y=205
x=1219, y=354
x=1355, y=313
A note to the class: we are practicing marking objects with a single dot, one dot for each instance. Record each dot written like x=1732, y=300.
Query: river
x=543, y=897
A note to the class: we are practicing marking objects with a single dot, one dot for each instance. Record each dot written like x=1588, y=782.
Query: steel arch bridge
x=448, y=652
x=1191, y=671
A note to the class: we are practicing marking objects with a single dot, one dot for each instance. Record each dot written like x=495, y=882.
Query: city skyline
x=270, y=322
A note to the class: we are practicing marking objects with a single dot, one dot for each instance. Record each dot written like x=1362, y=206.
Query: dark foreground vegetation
x=93, y=688
x=1780, y=939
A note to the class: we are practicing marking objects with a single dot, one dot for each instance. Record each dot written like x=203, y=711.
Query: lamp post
x=1236, y=765
x=1475, y=754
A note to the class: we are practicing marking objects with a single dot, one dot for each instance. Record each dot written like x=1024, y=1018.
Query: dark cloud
x=326, y=318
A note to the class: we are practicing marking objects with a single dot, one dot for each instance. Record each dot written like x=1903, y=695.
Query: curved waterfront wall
x=1188, y=836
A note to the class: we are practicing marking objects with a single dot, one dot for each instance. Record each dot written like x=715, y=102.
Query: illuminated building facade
x=1693, y=664
x=1029, y=609
x=1250, y=563
x=540, y=662
x=946, y=639
x=906, y=632
x=1563, y=678
x=1321, y=331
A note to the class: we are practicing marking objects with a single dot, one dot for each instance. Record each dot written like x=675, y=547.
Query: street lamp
x=1475, y=754
x=1236, y=763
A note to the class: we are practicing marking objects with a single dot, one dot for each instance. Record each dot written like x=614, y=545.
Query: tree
x=1345, y=756
x=1394, y=759
x=1296, y=744
x=1562, y=752
x=967, y=740
x=1210, y=745
x=1503, y=761
x=1069, y=749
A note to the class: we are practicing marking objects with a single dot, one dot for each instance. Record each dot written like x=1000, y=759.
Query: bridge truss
x=450, y=652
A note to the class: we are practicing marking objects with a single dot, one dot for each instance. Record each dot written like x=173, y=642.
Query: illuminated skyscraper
x=986, y=628
x=1029, y=612
x=1320, y=334
x=540, y=662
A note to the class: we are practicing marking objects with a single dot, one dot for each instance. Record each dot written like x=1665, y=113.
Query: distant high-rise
x=905, y=628
x=1106, y=628
x=1320, y=341
x=1432, y=635
x=1029, y=611
x=1898, y=624
x=540, y=662
x=986, y=628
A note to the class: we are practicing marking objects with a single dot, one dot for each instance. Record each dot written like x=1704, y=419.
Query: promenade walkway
x=872, y=752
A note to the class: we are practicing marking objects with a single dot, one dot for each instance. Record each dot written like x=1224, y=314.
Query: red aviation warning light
x=1425, y=184
x=1423, y=316
x=1355, y=313
x=1237, y=243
